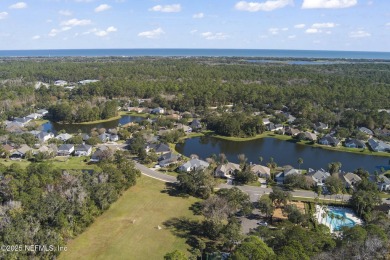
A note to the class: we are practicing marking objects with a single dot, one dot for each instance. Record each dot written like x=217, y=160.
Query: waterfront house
x=44, y=136
x=318, y=176
x=43, y=112
x=158, y=110
x=194, y=164
x=310, y=136
x=226, y=170
x=195, y=124
x=354, y=143
x=82, y=150
x=65, y=150
x=351, y=179
x=274, y=127
x=279, y=178
x=329, y=140
x=261, y=171
x=266, y=121
x=63, y=137
x=292, y=131
x=378, y=146
x=34, y=116
x=159, y=148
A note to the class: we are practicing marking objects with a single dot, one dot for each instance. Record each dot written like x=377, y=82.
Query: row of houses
x=62, y=150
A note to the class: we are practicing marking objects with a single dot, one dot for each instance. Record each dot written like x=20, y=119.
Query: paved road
x=253, y=192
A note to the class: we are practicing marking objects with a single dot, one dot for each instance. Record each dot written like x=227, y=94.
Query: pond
x=283, y=152
x=86, y=128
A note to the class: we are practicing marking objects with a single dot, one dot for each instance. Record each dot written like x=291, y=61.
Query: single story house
x=383, y=183
x=65, y=150
x=378, y=146
x=195, y=124
x=279, y=178
x=21, y=152
x=44, y=136
x=320, y=126
x=168, y=159
x=159, y=148
x=366, y=131
x=329, y=140
x=60, y=83
x=351, y=179
x=266, y=121
x=64, y=137
x=319, y=176
x=193, y=164
x=226, y=170
x=85, y=137
x=354, y=143
x=114, y=137
x=274, y=127
x=83, y=150
x=158, y=110
x=22, y=120
x=261, y=171
x=105, y=137
x=310, y=136
x=34, y=116
x=292, y=131
x=43, y=112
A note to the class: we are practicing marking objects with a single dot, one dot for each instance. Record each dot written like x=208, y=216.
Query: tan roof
x=257, y=168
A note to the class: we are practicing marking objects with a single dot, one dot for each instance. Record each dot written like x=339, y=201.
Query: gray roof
x=356, y=142
x=160, y=148
x=66, y=147
x=378, y=145
x=365, y=130
x=351, y=178
x=83, y=147
x=195, y=163
x=319, y=176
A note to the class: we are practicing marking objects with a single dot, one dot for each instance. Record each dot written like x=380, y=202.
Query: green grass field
x=114, y=236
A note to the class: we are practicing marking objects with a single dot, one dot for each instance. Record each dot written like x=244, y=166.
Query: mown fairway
x=113, y=235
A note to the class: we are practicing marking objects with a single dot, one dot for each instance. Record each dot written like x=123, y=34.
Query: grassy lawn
x=61, y=162
x=384, y=195
x=114, y=236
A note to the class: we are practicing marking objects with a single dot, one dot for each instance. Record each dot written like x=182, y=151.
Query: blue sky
x=357, y=25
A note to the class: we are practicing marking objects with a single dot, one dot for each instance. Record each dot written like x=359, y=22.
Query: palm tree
x=300, y=161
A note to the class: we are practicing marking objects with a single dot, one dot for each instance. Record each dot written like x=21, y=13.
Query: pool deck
x=348, y=213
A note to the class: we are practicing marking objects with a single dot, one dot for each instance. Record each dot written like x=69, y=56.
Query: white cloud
x=273, y=30
x=76, y=22
x=388, y=24
x=65, y=12
x=265, y=6
x=153, y=34
x=103, y=33
x=19, y=5
x=309, y=4
x=214, y=36
x=198, y=16
x=102, y=8
x=312, y=30
x=292, y=36
x=53, y=32
x=66, y=28
x=193, y=31
x=36, y=37
x=323, y=25
x=300, y=26
x=166, y=8
x=3, y=15
x=359, y=34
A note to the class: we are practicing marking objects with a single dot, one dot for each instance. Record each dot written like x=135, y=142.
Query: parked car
x=262, y=223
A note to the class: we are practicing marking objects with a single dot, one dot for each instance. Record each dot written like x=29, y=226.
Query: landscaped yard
x=129, y=229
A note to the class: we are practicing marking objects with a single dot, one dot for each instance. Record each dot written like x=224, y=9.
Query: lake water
x=86, y=128
x=283, y=152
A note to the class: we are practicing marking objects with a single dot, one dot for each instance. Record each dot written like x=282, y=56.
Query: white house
x=83, y=150
x=45, y=136
x=194, y=164
x=65, y=150
x=64, y=137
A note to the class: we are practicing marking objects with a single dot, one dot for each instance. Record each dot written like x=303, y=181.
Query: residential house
x=159, y=148
x=185, y=128
x=310, y=136
x=20, y=152
x=351, y=179
x=354, y=143
x=22, y=120
x=382, y=132
x=34, y=116
x=194, y=164
x=158, y=110
x=378, y=146
x=114, y=137
x=136, y=109
x=85, y=137
x=261, y=171
x=226, y=170
x=290, y=118
x=274, y=127
x=292, y=131
x=168, y=159
x=83, y=150
x=87, y=81
x=42, y=112
x=105, y=137
x=329, y=140
x=14, y=127
x=7, y=149
x=279, y=178
x=319, y=176
x=266, y=121
x=383, y=183
x=366, y=131
x=65, y=150
x=60, y=83
x=44, y=136
x=195, y=124
x=320, y=126
x=64, y=137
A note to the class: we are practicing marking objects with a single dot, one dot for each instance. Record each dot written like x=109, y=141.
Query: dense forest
x=349, y=94
x=42, y=205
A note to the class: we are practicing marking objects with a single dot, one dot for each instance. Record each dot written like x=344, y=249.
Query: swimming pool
x=337, y=217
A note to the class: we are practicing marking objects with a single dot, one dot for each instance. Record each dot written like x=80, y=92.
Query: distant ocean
x=197, y=53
